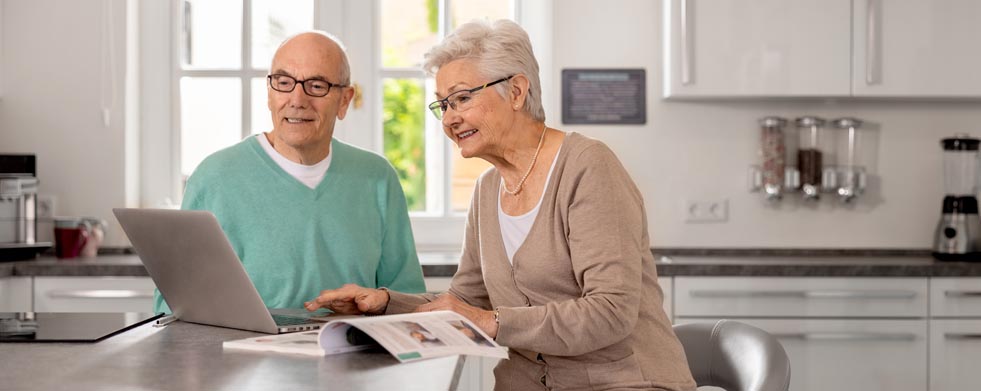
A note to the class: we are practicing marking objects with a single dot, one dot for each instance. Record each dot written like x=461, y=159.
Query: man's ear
x=518, y=91
x=347, y=94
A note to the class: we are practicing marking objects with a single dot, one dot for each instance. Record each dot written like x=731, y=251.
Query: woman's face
x=479, y=129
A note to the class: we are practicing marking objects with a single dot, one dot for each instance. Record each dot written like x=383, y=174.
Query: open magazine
x=408, y=337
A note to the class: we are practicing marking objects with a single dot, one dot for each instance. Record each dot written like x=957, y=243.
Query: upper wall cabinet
x=822, y=48
x=740, y=48
x=917, y=48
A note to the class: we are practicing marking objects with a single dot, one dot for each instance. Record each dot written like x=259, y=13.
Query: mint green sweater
x=295, y=241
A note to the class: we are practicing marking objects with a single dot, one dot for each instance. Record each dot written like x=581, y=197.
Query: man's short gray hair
x=345, y=71
x=501, y=49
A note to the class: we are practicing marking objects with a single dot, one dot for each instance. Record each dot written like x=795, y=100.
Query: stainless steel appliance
x=956, y=236
x=18, y=208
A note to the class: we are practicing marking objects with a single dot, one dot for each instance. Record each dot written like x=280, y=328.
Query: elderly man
x=306, y=212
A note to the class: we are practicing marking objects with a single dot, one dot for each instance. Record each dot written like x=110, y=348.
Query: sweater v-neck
x=332, y=171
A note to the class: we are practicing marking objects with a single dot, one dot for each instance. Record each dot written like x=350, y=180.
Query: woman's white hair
x=501, y=49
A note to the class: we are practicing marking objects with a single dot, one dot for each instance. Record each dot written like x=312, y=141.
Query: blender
x=956, y=236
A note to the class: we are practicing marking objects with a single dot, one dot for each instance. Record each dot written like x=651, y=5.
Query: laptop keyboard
x=286, y=320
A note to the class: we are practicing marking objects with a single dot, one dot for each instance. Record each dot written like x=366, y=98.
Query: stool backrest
x=734, y=356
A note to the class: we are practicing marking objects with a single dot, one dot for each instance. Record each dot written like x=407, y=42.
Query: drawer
x=850, y=354
x=800, y=297
x=955, y=297
x=955, y=351
x=93, y=294
x=15, y=294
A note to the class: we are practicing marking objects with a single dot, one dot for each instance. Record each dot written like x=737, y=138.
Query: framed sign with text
x=604, y=96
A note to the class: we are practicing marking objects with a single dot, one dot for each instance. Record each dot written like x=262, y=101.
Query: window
x=436, y=180
x=225, y=48
x=207, y=91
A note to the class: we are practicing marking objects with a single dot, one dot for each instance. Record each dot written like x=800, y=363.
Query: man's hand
x=351, y=299
x=447, y=302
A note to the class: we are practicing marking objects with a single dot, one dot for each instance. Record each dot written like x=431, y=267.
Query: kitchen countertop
x=675, y=263
x=187, y=356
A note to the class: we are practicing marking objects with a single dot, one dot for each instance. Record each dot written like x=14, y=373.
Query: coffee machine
x=956, y=236
x=18, y=208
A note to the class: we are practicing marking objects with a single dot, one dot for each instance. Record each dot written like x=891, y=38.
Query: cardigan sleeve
x=605, y=229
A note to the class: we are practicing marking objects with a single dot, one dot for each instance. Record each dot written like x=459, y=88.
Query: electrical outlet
x=706, y=211
x=46, y=206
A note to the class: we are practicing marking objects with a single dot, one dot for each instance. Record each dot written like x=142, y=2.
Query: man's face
x=300, y=120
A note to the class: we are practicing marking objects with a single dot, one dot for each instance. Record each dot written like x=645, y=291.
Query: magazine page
x=414, y=336
x=306, y=343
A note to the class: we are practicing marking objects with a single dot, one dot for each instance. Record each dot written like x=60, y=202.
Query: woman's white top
x=514, y=229
x=308, y=175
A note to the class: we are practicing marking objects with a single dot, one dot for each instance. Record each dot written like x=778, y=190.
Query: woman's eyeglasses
x=461, y=100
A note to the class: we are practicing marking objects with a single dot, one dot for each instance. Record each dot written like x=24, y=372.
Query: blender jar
x=960, y=165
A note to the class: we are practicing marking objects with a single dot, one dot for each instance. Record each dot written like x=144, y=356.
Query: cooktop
x=68, y=326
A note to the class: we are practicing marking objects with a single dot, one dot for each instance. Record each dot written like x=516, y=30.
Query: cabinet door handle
x=101, y=294
x=848, y=336
x=687, y=55
x=961, y=336
x=872, y=42
x=962, y=293
x=813, y=294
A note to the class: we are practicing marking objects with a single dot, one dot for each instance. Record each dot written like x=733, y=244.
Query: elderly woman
x=556, y=261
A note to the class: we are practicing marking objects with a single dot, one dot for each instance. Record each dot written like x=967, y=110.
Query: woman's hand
x=447, y=302
x=351, y=299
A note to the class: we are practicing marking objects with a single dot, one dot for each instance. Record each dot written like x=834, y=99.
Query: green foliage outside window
x=404, y=141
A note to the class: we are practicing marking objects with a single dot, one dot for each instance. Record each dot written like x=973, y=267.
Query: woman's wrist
x=496, y=325
x=385, y=301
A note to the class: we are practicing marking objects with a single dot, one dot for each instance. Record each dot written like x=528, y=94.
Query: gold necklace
x=521, y=183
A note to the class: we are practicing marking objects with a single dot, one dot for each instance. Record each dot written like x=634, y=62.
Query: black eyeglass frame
x=439, y=106
x=303, y=83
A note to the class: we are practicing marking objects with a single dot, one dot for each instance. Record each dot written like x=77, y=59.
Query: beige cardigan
x=580, y=308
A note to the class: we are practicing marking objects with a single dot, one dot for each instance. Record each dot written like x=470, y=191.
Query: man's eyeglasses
x=461, y=100
x=313, y=87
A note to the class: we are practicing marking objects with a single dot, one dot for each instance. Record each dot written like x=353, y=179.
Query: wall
x=54, y=75
x=701, y=150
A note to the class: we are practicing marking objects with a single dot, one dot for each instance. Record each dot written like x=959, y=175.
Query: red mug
x=70, y=237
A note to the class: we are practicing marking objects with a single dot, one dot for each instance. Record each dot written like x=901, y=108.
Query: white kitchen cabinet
x=735, y=48
x=15, y=294
x=916, y=48
x=800, y=297
x=840, y=333
x=955, y=334
x=822, y=48
x=93, y=294
x=955, y=297
x=955, y=351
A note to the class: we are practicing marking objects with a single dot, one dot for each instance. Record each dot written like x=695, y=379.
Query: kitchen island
x=187, y=356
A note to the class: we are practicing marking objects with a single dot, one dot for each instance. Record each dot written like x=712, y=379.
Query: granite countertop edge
x=670, y=262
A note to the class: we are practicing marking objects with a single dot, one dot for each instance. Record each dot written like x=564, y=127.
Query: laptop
x=198, y=273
